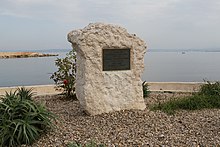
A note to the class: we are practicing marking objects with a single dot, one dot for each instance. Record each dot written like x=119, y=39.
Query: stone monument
x=110, y=62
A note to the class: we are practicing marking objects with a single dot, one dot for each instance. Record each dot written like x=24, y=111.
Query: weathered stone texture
x=104, y=91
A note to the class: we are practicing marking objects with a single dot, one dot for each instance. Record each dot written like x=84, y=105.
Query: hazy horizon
x=148, y=50
x=170, y=24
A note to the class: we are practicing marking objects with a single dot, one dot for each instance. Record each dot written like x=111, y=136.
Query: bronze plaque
x=116, y=59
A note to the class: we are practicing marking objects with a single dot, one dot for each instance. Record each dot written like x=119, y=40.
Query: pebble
x=131, y=128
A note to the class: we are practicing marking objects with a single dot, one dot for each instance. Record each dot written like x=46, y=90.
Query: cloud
x=67, y=9
x=164, y=23
x=141, y=11
x=54, y=10
x=121, y=8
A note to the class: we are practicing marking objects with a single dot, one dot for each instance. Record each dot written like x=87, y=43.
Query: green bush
x=65, y=76
x=210, y=88
x=146, y=90
x=207, y=97
x=22, y=120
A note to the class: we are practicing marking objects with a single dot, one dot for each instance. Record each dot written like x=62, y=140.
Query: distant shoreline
x=24, y=54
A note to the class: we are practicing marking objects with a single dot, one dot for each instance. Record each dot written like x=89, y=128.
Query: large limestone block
x=104, y=91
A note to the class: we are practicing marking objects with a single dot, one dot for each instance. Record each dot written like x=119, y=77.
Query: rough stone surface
x=104, y=91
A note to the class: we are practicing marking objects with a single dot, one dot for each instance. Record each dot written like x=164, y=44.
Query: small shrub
x=22, y=120
x=210, y=88
x=146, y=90
x=65, y=76
x=207, y=97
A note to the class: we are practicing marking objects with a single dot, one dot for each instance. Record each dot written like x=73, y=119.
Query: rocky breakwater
x=24, y=54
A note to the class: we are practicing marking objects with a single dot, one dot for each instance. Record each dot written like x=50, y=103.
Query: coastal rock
x=23, y=54
x=104, y=91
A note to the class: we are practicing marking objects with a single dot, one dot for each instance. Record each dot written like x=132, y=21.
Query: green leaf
x=22, y=120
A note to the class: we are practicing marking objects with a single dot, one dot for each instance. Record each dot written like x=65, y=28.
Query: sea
x=161, y=65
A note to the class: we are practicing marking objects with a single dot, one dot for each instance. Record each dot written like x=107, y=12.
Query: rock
x=23, y=54
x=116, y=128
x=105, y=91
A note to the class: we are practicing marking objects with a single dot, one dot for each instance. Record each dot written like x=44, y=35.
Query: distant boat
x=183, y=52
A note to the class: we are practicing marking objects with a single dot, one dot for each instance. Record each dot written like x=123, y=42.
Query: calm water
x=178, y=67
x=159, y=67
x=28, y=71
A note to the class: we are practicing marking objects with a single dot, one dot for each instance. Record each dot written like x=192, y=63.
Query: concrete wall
x=175, y=86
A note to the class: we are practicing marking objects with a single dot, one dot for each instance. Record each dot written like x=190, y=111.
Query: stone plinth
x=117, y=88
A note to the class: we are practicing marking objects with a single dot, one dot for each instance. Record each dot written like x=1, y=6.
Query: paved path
x=153, y=86
x=38, y=89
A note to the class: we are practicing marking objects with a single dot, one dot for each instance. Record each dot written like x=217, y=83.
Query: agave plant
x=24, y=93
x=22, y=120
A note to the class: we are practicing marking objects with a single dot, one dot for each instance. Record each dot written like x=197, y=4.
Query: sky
x=162, y=24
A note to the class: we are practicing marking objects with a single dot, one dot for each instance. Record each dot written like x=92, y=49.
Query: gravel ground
x=131, y=128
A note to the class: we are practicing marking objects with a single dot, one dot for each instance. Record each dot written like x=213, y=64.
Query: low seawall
x=153, y=86
x=175, y=86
